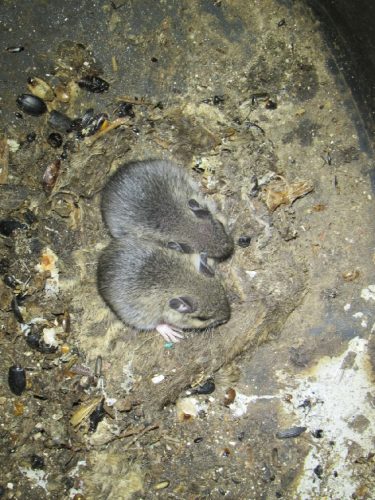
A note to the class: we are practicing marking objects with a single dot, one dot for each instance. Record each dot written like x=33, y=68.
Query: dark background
x=349, y=27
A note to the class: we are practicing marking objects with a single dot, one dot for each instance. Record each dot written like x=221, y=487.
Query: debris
x=281, y=192
x=84, y=411
x=187, y=409
x=162, y=485
x=4, y=160
x=40, y=88
x=230, y=396
x=350, y=275
x=111, y=126
x=368, y=293
x=156, y=379
x=50, y=175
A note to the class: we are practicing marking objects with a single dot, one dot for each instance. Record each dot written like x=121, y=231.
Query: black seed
x=93, y=84
x=207, y=388
x=290, y=433
x=15, y=308
x=319, y=471
x=69, y=482
x=198, y=440
x=31, y=137
x=97, y=416
x=244, y=241
x=271, y=104
x=217, y=99
x=4, y=265
x=55, y=140
x=87, y=118
x=10, y=281
x=33, y=340
x=59, y=121
x=125, y=109
x=31, y=104
x=30, y=217
x=282, y=22
x=7, y=227
x=37, y=462
x=154, y=59
x=318, y=433
x=17, y=379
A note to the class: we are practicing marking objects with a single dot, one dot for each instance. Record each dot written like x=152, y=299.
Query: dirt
x=250, y=102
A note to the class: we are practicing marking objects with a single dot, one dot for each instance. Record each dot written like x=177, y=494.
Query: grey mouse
x=151, y=287
x=158, y=200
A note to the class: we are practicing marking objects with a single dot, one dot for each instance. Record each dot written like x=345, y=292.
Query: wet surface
x=247, y=100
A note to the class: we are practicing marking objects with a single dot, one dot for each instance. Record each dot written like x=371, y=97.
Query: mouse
x=151, y=287
x=157, y=199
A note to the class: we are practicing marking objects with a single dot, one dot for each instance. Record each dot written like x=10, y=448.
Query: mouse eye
x=202, y=318
x=179, y=247
x=182, y=304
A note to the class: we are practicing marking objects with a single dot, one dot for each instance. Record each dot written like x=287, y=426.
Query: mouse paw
x=169, y=334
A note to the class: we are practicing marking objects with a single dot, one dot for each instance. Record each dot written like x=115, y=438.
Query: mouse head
x=201, y=302
x=209, y=231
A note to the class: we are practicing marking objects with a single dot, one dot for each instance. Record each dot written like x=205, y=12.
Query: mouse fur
x=156, y=199
x=147, y=286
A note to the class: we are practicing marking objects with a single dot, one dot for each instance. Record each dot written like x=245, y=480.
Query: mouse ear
x=179, y=247
x=201, y=213
x=204, y=266
x=193, y=204
x=182, y=304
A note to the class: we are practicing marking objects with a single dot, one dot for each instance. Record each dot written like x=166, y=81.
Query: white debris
x=14, y=146
x=49, y=337
x=347, y=307
x=240, y=404
x=156, y=379
x=368, y=293
x=340, y=391
x=37, y=476
x=48, y=263
x=189, y=408
x=358, y=315
x=251, y=274
x=128, y=382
